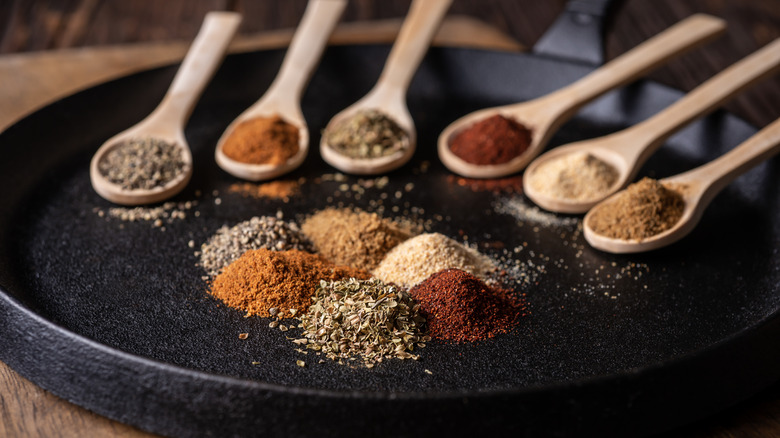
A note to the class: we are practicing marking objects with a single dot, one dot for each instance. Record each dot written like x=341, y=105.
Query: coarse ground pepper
x=263, y=279
x=644, y=209
x=494, y=140
x=262, y=140
x=460, y=307
x=142, y=163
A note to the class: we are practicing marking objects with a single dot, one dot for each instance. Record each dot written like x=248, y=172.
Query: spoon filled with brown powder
x=651, y=214
x=271, y=137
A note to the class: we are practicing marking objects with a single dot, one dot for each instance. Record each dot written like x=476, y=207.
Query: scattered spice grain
x=576, y=176
x=263, y=280
x=644, y=209
x=142, y=163
x=419, y=257
x=262, y=140
x=354, y=237
x=460, y=307
x=367, y=134
x=493, y=140
x=281, y=189
x=364, y=318
x=229, y=243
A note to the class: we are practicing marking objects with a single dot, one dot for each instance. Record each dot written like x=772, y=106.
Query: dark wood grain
x=35, y=25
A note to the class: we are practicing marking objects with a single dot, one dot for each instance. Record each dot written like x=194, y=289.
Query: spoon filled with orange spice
x=271, y=137
x=544, y=115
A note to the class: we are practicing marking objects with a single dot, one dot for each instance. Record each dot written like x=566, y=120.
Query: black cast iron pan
x=114, y=316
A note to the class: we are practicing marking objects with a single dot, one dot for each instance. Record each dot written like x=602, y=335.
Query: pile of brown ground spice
x=644, y=209
x=262, y=140
x=263, y=279
x=354, y=237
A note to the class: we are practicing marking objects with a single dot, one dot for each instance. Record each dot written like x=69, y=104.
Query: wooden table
x=49, y=49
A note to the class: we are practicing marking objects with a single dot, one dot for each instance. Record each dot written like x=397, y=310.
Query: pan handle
x=578, y=33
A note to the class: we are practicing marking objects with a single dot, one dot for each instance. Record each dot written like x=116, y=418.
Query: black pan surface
x=114, y=316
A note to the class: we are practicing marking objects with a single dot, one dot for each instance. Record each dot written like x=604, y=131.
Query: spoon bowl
x=627, y=150
x=283, y=96
x=697, y=187
x=389, y=94
x=166, y=122
x=544, y=115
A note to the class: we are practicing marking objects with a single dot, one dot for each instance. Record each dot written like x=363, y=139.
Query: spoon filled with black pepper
x=376, y=134
x=500, y=141
x=271, y=137
x=151, y=161
x=575, y=177
x=651, y=214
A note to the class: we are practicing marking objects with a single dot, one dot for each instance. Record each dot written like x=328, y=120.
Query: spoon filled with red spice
x=151, y=161
x=649, y=215
x=271, y=137
x=499, y=141
x=376, y=134
x=575, y=177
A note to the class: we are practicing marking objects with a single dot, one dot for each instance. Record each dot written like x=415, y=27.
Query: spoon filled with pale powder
x=575, y=177
x=651, y=214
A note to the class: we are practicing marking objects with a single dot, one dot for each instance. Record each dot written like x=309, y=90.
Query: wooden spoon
x=389, y=94
x=283, y=97
x=628, y=149
x=544, y=115
x=166, y=122
x=698, y=187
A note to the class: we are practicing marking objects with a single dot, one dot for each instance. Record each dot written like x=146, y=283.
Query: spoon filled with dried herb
x=271, y=137
x=651, y=214
x=575, y=177
x=499, y=141
x=376, y=134
x=151, y=161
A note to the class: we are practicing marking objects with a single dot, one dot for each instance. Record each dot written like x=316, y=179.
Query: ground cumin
x=494, y=140
x=644, y=209
x=263, y=279
x=262, y=140
x=354, y=237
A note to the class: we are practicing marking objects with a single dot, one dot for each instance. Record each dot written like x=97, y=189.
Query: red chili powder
x=494, y=140
x=460, y=307
x=509, y=184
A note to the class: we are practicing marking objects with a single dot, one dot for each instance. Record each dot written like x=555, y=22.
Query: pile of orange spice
x=262, y=140
x=264, y=279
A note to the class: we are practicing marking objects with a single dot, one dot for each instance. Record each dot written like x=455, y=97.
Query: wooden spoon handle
x=411, y=44
x=712, y=177
x=681, y=37
x=198, y=66
x=650, y=134
x=305, y=49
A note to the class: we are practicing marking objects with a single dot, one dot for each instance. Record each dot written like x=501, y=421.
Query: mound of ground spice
x=460, y=307
x=417, y=258
x=263, y=279
x=576, y=176
x=644, y=209
x=353, y=237
x=493, y=140
x=262, y=140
